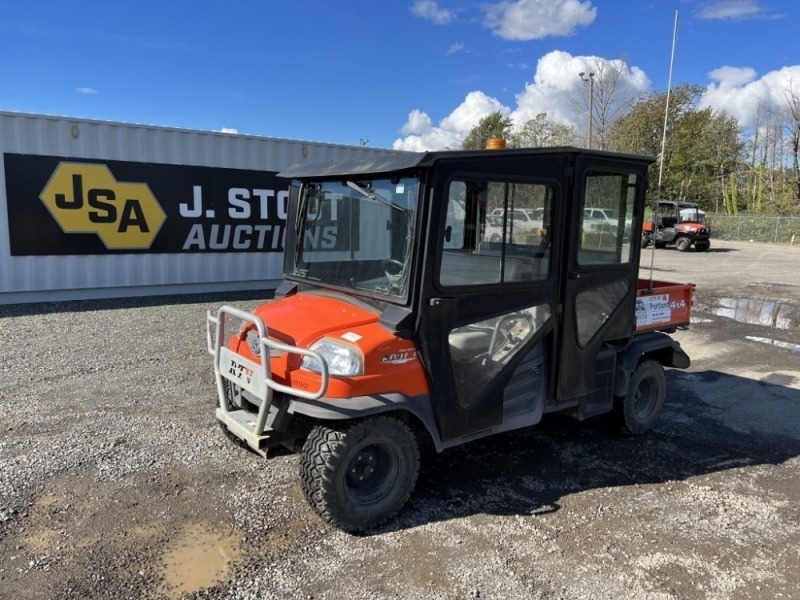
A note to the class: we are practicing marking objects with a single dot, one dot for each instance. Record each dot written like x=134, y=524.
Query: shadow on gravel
x=530, y=471
x=44, y=308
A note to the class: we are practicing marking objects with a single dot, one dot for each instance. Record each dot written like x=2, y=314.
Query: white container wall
x=95, y=209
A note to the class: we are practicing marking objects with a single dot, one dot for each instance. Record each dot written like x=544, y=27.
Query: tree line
x=708, y=158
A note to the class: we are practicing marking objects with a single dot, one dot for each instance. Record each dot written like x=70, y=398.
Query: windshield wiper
x=373, y=195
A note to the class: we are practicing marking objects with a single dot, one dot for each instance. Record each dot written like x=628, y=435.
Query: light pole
x=590, y=81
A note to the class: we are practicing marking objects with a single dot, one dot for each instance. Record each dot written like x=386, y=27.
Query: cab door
x=601, y=271
x=489, y=288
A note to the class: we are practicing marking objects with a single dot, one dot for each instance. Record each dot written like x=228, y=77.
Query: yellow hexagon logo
x=86, y=198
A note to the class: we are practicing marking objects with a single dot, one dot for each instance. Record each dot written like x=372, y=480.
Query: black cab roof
x=409, y=160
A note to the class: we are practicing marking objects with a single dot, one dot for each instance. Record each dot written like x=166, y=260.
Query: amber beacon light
x=495, y=143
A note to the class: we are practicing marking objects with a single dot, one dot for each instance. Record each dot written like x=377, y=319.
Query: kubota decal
x=399, y=358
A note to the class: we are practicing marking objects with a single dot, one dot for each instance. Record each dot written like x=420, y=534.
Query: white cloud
x=738, y=92
x=430, y=10
x=537, y=19
x=455, y=48
x=733, y=76
x=86, y=90
x=418, y=122
x=451, y=130
x=734, y=10
x=555, y=84
x=229, y=130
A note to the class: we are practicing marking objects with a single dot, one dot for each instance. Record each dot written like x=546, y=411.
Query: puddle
x=794, y=348
x=759, y=312
x=695, y=320
x=197, y=558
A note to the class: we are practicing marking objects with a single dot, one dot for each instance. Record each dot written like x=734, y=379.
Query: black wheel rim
x=645, y=398
x=372, y=473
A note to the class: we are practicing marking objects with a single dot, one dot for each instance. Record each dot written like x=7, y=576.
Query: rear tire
x=638, y=410
x=682, y=244
x=359, y=474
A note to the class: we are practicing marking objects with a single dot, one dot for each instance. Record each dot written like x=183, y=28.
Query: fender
x=655, y=345
x=325, y=409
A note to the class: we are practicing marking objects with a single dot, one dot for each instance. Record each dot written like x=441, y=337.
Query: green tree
x=542, y=131
x=494, y=125
x=702, y=149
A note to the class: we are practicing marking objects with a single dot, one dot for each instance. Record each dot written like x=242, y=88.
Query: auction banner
x=68, y=206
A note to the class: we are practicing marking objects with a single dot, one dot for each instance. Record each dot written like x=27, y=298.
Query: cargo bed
x=662, y=305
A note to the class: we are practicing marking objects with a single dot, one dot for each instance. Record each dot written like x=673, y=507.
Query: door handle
x=441, y=301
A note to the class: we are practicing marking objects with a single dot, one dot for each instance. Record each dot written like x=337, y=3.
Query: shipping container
x=98, y=209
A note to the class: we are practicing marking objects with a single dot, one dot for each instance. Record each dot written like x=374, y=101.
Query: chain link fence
x=778, y=230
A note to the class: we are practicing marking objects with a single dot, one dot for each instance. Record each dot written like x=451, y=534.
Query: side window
x=480, y=350
x=456, y=215
x=496, y=232
x=607, y=218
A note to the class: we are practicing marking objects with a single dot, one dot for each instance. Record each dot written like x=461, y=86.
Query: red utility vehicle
x=400, y=321
x=679, y=224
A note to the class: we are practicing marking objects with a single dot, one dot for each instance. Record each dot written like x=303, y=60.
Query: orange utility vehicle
x=402, y=317
x=679, y=224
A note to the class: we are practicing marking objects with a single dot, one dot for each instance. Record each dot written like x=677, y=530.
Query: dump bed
x=662, y=305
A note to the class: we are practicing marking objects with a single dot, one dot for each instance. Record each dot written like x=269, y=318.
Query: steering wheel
x=393, y=269
x=504, y=338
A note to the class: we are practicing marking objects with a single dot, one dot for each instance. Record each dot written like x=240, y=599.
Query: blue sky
x=412, y=74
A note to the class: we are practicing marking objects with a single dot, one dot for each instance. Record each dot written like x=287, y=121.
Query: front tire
x=638, y=410
x=702, y=246
x=359, y=474
x=682, y=244
x=232, y=402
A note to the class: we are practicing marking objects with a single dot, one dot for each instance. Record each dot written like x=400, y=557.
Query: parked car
x=605, y=220
x=522, y=219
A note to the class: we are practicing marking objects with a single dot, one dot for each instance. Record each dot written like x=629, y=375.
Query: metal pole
x=590, y=81
x=666, y=110
x=591, y=107
x=663, y=144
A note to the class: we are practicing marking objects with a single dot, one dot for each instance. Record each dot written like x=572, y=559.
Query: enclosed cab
x=410, y=315
x=678, y=224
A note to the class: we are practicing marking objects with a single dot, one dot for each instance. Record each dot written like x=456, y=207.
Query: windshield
x=353, y=233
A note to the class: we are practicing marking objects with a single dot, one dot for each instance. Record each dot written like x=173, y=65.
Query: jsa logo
x=86, y=198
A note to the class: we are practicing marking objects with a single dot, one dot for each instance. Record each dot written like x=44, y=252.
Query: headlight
x=341, y=359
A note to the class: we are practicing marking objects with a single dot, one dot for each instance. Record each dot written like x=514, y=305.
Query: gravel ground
x=115, y=482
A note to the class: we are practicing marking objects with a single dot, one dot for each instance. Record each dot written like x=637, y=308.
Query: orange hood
x=302, y=319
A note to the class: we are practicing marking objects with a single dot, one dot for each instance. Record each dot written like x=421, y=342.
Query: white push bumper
x=254, y=377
